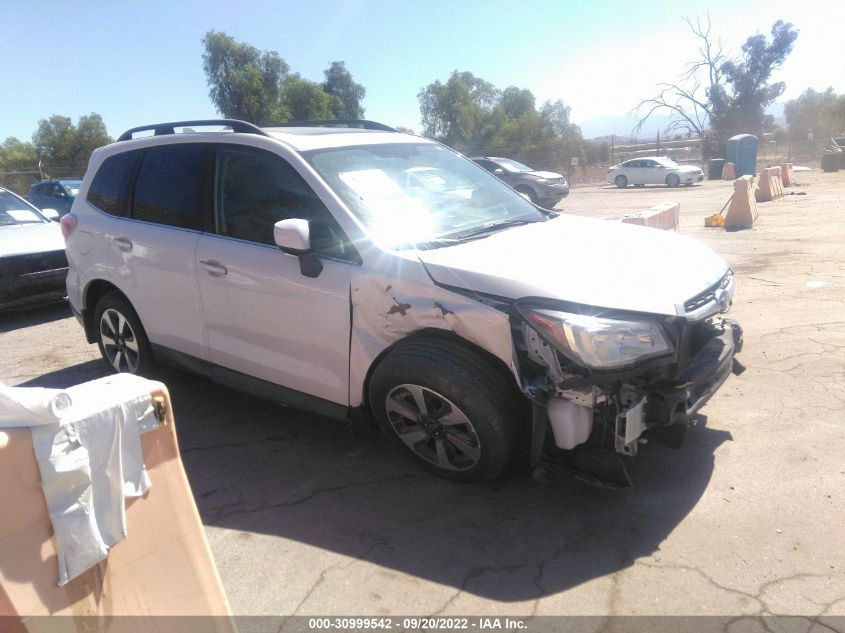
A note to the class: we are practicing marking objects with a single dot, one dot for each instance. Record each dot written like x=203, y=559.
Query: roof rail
x=361, y=123
x=161, y=129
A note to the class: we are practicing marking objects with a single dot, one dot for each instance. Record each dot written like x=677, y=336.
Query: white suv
x=348, y=270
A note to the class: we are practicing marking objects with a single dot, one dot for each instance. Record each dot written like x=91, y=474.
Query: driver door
x=264, y=318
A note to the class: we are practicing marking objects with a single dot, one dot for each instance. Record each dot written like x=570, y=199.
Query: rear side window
x=170, y=184
x=108, y=190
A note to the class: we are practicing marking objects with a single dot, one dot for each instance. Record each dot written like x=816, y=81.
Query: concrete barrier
x=787, y=175
x=662, y=216
x=771, y=186
x=742, y=211
x=729, y=172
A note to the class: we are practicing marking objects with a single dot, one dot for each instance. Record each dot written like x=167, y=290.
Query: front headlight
x=599, y=343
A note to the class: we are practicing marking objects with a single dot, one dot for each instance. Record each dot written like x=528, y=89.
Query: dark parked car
x=33, y=265
x=544, y=188
x=54, y=194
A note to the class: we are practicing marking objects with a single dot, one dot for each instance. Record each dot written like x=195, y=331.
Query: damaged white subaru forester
x=356, y=270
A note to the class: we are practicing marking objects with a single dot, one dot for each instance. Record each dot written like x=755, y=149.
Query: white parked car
x=364, y=271
x=654, y=170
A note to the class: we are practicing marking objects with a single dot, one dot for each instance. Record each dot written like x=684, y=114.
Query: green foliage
x=346, y=94
x=474, y=117
x=257, y=86
x=18, y=165
x=303, y=99
x=64, y=148
x=823, y=113
x=243, y=81
x=739, y=104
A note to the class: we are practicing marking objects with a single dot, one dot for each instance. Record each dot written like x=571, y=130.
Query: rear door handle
x=123, y=243
x=213, y=267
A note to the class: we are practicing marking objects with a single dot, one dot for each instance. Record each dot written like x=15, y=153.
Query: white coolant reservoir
x=571, y=423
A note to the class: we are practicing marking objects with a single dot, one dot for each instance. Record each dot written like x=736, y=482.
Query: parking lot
x=305, y=516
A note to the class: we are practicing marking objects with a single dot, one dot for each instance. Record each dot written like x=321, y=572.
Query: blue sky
x=141, y=62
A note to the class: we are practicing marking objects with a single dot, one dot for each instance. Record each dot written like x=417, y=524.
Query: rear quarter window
x=170, y=186
x=109, y=189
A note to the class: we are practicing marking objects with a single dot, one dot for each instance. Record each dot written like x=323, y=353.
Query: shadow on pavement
x=27, y=317
x=257, y=467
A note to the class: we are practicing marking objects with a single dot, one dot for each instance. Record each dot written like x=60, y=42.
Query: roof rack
x=161, y=129
x=361, y=123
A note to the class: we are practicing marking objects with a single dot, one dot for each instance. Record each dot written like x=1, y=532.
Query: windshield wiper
x=493, y=227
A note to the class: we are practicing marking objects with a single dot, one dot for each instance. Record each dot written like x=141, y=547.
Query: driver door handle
x=214, y=268
x=123, y=243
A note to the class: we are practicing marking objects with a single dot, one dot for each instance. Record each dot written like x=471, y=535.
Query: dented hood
x=600, y=263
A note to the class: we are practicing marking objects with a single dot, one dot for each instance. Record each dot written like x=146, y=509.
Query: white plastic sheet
x=87, y=443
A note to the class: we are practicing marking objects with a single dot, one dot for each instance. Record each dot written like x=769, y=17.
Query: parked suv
x=545, y=188
x=54, y=194
x=360, y=270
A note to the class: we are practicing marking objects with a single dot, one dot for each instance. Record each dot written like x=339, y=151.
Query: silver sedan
x=655, y=170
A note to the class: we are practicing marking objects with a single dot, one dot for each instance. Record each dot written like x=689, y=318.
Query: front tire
x=672, y=180
x=121, y=337
x=448, y=407
x=621, y=182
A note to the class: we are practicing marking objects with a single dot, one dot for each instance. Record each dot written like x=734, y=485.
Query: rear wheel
x=448, y=407
x=621, y=182
x=121, y=337
x=672, y=180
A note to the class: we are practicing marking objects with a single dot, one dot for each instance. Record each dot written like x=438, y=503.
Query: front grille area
x=15, y=266
x=708, y=296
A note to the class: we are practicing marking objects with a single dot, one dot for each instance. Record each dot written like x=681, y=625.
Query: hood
x=548, y=175
x=687, y=168
x=19, y=239
x=600, y=263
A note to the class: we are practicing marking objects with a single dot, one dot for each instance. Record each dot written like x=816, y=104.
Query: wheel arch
x=441, y=335
x=90, y=296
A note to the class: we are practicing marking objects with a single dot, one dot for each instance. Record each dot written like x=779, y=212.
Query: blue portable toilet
x=742, y=152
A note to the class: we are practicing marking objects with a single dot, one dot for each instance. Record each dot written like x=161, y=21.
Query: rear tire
x=621, y=182
x=448, y=407
x=120, y=336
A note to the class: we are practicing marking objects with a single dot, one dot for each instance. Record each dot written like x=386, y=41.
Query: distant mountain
x=623, y=126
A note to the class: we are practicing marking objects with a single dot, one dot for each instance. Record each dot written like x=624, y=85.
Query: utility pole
x=658, y=142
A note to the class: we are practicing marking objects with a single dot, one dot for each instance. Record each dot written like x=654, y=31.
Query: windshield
x=13, y=210
x=665, y=160
x=412, y=195
x=512, y=165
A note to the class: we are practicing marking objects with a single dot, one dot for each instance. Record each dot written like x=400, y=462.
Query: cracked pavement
x=306, y=516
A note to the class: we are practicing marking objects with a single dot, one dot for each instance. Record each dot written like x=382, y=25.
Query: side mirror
x=61, y=195
x=50, y=214
x=293, y=236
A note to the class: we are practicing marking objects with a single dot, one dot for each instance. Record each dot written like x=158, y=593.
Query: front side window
x=420, y=195
x=255, y=189
x=108, y=190
x=513, y=166
x=169, y=187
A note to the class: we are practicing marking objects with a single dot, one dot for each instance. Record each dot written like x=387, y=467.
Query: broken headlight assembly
x=596, y=342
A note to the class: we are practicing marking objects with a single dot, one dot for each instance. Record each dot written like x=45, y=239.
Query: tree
x=456, y=112
x=823, y=113
x=727, y=95
x=244, y=82
x=18, y=165
x=474, y=117
x=347, y=95
x=63, y=148
x=302, y=99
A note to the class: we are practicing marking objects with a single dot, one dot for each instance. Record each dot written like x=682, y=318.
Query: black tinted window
x=256, y=189
x=108, y=190
x=169, y=186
